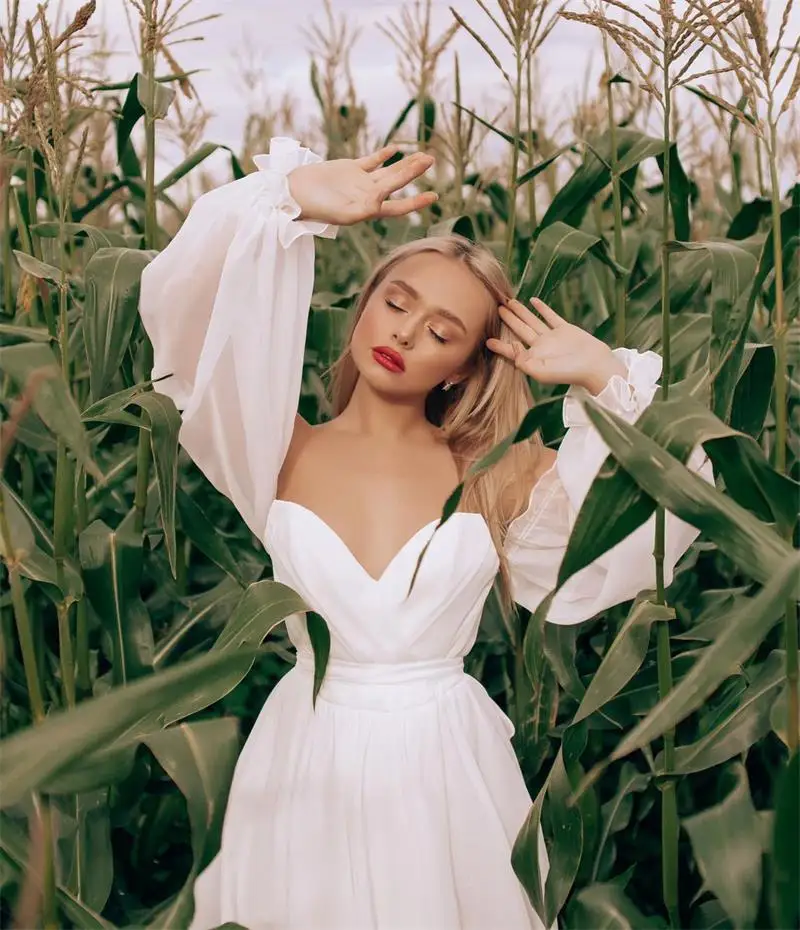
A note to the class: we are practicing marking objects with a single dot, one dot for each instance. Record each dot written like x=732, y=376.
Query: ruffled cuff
x=285, y=154
x=626, y=396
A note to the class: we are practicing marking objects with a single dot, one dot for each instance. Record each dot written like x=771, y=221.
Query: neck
x=374, y=415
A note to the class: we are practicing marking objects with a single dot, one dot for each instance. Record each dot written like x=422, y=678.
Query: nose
x=404, y=336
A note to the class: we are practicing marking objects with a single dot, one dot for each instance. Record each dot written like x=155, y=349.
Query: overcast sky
x=272, y=31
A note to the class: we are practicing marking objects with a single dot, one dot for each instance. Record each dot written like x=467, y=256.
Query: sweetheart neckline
x=349, y=552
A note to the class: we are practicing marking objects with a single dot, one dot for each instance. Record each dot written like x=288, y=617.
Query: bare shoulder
x=546, y=460
x=526, y=482
x=301, y=433
x=302, y=428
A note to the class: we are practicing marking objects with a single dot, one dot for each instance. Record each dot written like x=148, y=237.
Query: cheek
x=366, y=328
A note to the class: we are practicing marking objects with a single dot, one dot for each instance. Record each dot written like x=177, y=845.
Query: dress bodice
x=375, y=619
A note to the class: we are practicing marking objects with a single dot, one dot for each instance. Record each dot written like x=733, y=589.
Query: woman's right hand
x=347, y=190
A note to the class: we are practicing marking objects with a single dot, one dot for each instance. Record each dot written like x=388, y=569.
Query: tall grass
x=651, y=751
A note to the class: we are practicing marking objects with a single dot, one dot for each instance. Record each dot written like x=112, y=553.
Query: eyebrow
x=447, y=314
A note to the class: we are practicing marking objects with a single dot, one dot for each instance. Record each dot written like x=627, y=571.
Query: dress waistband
x=384, y=685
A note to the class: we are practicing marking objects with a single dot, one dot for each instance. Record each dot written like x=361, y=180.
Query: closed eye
x=399, y=309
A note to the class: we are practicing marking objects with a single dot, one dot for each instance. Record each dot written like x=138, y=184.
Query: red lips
x=389, y=358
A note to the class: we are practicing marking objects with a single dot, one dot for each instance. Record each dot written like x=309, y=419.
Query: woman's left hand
x=553, y=351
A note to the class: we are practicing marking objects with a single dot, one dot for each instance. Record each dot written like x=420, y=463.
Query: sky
x=270, y=32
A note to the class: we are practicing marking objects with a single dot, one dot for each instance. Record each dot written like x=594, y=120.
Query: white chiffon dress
x=395, y=803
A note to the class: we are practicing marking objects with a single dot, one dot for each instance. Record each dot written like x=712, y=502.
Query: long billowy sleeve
x=537, y=538
x=226, y=307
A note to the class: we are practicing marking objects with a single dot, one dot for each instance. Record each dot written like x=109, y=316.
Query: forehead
x=442, y=281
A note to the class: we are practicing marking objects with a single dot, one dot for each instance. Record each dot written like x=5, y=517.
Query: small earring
x=447, y=385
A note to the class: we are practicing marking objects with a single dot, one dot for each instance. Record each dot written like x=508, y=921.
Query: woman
x=395, y=802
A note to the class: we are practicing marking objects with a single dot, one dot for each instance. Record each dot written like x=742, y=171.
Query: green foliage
x=128, y=573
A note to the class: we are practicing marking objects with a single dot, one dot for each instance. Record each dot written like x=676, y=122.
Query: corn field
x=141, y=630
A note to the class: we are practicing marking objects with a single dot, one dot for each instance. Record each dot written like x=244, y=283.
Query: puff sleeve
x=226, y=307
x=537, y=539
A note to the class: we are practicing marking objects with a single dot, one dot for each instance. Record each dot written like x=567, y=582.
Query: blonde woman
x=394, y=804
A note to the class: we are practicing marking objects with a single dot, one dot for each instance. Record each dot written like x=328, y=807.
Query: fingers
x=527, y=316
x=509, y=350
x=403, y=172
x=404, y=205
x=376, y=159
x=548, y=313
x=522, y=324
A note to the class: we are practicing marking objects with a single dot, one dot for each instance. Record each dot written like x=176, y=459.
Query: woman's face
x=432, y=311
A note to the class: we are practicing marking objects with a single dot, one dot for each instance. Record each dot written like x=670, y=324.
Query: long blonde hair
x=476, y=413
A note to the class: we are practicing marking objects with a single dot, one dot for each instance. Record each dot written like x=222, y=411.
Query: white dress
x=395, y=803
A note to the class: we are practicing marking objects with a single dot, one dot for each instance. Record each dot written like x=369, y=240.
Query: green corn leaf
x=747, y=627
x=745, y=725
x=785, y=852
x=557, y=252
x=165, y=424
x=15, y=847
x=196, y=158
x=727, y=848
x=200, y=758
x=607, y=906
x=33, y=366
x=112, y=306
x=758, y=549
x=32, y=756
x=624, y=657
x=111, y=561
x=36, y=268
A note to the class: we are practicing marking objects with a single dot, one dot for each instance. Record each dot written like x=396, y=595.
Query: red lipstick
x=389, y=358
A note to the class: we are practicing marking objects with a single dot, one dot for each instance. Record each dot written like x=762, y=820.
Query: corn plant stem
x=26, y=479
x=532, y=218
x=781, y=375
x=759, y=167
x=458, y=143
x=6, y=638
x=37, y=706
x=520, y=679
x=23, y=621
x=36, y=247
x=736, y=178
x=142, y=473
x=30, y=190
x=150, y=194
x=8, y=291
x=42, y=809
x=616, y=196
x=64, y=501
x=669, y=810
x=512, y=183
x=83, y=679
x=779, y=321
x=64, y=488
x=143, y=449
x=421, y=116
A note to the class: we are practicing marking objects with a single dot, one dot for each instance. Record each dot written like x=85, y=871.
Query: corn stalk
x=149, y=40
x=780, y=328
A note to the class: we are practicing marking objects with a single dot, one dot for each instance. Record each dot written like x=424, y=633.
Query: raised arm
x=226, y=305
x=537, y=539
x=553, y=351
